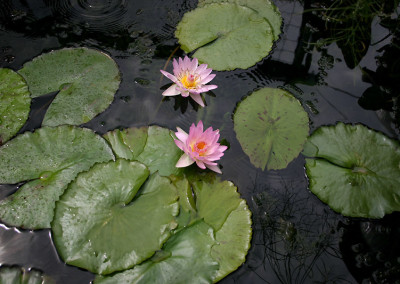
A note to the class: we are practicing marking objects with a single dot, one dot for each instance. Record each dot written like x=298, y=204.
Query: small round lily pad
x=86, y=79
x=15, y=103
x=355, y=170
x=48, y=159
x=103, y=225
x=272, y=127
x=185, y=258
x=226, y=36
x=153, y=145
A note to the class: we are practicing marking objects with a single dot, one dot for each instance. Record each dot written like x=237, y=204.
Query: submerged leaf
x=15, y=103
x=49, y=159
x=98, y=227
x=185, y=258
x=85, y=78
x=227, y=36
x=356, y=171
x=17, y=275
x=154, y=146
x=271, y=126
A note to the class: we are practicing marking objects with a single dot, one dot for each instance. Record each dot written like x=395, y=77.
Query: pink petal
x=171, y=91
x=207, y=79
x=184, y=93
x=181, y=135
x=205, y=73
x=169, y=76
x=206, y=88
x=194, y=64
x=201, y=68
x=214, y=168
x=197, y=98
x=201, y=165
x=184, y=161
x=180, y=144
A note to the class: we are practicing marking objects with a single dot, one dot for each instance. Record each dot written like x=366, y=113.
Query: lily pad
x=185, y=258
x=86, y=79
x=100, y=224
x=154, y=146
x=15, y=103
x=271, y=126
x=264, y=7
x=355, y=170
x=49, y=159
x=226, y=36
x=233, y=241
x=17, y=275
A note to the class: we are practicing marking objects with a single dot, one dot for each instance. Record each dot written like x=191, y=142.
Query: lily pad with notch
x=15, y=103
x=272, y=127
x=86, y=79
x=226, y=36
x=48, y=159
x=264, y=7
x=355, y=170
x=154, y=146
x=101, y=222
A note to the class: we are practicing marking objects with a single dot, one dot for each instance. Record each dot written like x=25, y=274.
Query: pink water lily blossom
x=200, y=147
x=189, y=79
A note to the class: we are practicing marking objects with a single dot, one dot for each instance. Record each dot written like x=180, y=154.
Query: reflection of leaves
x=348, y=23
x=370, y=249
x=295, y=235
x=17, y=275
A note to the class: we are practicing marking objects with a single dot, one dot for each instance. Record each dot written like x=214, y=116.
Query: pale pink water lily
x=200, y=147
x=189, y=79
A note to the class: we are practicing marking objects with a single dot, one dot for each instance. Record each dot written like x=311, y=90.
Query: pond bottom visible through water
x=296, y=237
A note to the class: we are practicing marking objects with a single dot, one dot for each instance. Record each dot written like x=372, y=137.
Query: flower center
x=200, y=147
x=189, y=81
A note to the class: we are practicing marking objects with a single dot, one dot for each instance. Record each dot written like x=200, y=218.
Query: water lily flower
x=189, y=79
x=200, y=147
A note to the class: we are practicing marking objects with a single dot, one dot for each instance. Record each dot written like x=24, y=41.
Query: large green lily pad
x=154, y=146
x=100, y=224
x=15, y=103
x=49, y=159
x=185, y=258
x=86, y=79
x=264, y=7
x=271, y=126
x=355, y=170
x=226, y=36
x=17, y=275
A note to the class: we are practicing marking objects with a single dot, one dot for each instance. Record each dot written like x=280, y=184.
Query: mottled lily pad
x=264, y=7
x=154, y=146
x=185, y=258
x=15, y=103
x=86, y=79
x=355, y=170
x=100, y=224
x=272, y=127
x=17, y=275
x=226, y=36
x=49, y=159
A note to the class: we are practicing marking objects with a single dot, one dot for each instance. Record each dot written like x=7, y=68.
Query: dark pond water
x=296, y=238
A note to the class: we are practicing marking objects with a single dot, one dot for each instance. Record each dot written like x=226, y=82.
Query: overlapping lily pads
x=355, y=170
x=14, y=103
x=272, y=127
x=185, y=258
x=48, y=159
x=17, y=275
x=154, y=146
x=85, y=78
x=225, y=35
x=102, y=225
